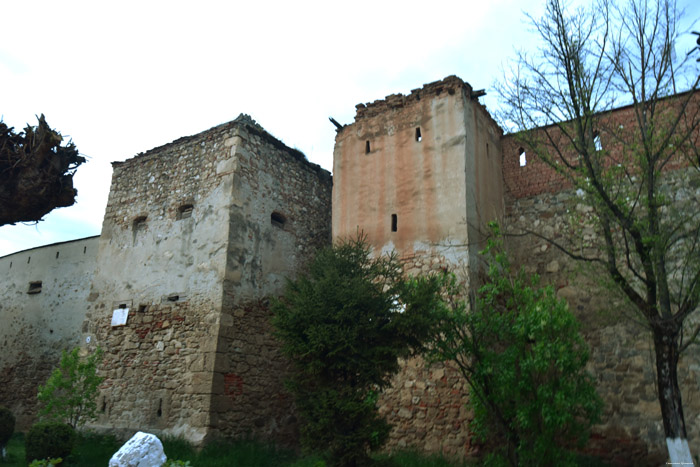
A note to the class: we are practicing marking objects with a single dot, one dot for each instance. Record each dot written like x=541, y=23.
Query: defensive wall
x=44, y=292
x=199, y=233
x=621, y=348
x=420, y=175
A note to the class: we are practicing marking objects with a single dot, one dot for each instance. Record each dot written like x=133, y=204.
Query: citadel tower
x=420, y=174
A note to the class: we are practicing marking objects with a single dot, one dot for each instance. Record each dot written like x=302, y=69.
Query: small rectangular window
x=419, y=138
x=34, y=287
x=367, y=147
x=139, y=224
x=394, y=223
x=523, y=157
x=184, y=211
x=278, y=220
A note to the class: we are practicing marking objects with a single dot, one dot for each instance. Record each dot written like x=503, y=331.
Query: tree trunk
x=666, y=346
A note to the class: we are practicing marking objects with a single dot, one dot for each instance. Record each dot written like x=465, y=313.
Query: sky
x=121, y=78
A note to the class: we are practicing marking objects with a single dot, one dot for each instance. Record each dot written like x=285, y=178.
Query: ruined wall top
x=243, y=122
x=451, y=84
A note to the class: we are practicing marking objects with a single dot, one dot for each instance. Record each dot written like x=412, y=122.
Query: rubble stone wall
x=621, y=351
x=163, y=256
x=279, y=217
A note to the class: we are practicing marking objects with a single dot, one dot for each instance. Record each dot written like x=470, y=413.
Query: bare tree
x=36, y=172
x=563, y=101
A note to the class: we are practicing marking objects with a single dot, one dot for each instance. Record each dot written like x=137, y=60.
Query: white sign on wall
x=119, y=316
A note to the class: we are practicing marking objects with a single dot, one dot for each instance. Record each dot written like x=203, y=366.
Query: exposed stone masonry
x=622, y=356
x=200, y=233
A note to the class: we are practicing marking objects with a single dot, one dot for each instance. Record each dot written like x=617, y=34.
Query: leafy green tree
x=70, y=393
x=344, y=325
x=520, y=350
x=559, y=101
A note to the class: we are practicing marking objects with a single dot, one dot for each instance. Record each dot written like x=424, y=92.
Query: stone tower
x=421, y=175
x=196, y=235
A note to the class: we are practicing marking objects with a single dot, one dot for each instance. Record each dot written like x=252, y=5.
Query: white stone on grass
x=142, y=450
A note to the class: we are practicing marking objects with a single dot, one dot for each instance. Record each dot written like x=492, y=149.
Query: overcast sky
x=123, y=77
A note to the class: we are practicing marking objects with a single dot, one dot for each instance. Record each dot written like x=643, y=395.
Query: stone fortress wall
x=420, y=174
x=621, y=349
x=196, y=235
x=200, y=232
x=44, y=292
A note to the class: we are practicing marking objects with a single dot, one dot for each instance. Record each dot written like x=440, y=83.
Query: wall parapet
x=451, y=84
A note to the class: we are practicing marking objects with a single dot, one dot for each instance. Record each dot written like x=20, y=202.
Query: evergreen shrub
x=49, y=440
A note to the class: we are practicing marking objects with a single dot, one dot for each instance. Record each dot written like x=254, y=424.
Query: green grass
x=15, y=451
x=95, y=450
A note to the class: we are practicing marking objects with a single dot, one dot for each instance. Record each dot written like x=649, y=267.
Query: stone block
x=142, y=450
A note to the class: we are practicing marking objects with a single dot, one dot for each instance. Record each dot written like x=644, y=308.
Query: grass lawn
x=96, y=450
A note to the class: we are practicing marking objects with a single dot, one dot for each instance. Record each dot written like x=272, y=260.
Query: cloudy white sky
x=120, y=78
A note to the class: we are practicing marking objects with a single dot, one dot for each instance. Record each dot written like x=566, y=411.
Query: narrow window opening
x=278, y=220
x=419, y=138
x=10, y=264
x=185, y=211
x=160, y=408
x=487, y=150
x=173, y=298
x=143, y=308
x=104, y=404
x=84, y=249
x=122, y=306
x=57, y=255
x=367, y=147
x=34, y=287
x=139, y=224
x=523, y=157
x=29, y=259
x=596, y=141
x=394, y=223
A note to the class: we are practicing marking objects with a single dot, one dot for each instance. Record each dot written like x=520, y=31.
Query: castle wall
x=42, y=308
x=405, y=194
x=198, y=234
x=421, y=175
x=162, y=255
x=621, y=351
x=278, y=219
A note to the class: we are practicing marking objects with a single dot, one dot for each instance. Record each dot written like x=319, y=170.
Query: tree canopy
x=344, y=325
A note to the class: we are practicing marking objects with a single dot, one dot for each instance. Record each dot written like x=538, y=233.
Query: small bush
x=49, y=440
x=345, y=324
x=70, y=393
x=46, y=462
x=7, y=427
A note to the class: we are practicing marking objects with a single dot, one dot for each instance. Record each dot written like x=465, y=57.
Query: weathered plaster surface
x=428, y=199
x=37, y=326
x=192, y=247
x=199, y=233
